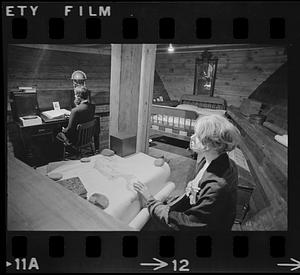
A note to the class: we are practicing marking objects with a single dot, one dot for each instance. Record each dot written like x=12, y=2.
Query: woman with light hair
x=209, y=201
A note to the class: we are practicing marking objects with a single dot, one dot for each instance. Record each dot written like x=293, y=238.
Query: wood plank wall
x=49, y=69
x=239, y=72
x=159, y=88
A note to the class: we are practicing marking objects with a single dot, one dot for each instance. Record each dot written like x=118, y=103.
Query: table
x=114, y=176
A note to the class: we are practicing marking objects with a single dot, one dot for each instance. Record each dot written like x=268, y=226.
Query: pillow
x=201, y=111
x=188, y=107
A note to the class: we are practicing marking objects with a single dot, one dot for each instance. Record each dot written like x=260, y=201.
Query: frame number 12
x=180, y=265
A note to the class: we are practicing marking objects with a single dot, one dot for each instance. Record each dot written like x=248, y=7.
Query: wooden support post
x=132, y=73
x=146, y=95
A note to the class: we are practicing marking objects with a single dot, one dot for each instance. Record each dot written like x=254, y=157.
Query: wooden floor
x=180, y=161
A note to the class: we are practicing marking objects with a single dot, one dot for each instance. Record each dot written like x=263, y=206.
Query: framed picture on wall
x=205, y=75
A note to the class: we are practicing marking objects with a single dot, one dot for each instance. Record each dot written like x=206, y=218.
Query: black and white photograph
x=147, y=137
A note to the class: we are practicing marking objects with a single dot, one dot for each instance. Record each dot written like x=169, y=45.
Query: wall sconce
x=170, y=48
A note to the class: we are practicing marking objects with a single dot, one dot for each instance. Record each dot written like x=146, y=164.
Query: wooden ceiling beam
x=214, y=48
x=67, y=48
x=105, y=49
x=210, y=46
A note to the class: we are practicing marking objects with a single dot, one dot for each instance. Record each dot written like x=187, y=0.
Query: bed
x=178, y=122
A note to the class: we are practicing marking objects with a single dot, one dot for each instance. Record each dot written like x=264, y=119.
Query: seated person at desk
x=209, y=202
x=83, y=112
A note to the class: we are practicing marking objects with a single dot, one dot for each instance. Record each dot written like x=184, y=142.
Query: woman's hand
x=142, y=189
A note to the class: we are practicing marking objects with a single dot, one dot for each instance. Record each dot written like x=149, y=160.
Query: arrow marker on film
x=296, y=265
x=159, y=264
x=8, y=264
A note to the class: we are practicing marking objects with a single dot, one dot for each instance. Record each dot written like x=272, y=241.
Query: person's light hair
x=81, y=92
x=216, y=132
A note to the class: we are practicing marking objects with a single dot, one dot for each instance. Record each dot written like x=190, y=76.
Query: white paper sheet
x=114, y=176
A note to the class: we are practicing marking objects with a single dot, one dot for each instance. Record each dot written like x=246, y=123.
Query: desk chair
x=84, y=138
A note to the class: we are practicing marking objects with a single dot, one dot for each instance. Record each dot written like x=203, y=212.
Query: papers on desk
x=54, y=114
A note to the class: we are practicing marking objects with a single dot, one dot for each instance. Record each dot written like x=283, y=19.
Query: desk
x=39, y=142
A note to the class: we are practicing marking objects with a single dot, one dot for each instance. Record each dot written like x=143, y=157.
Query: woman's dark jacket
x=215, y=206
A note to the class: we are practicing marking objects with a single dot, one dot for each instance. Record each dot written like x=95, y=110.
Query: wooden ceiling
x=105, y=49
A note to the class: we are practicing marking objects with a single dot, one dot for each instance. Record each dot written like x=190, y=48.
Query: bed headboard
x=202, y=101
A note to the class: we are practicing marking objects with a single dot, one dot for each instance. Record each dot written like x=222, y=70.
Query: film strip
x=124, y=252
x=259, y=23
